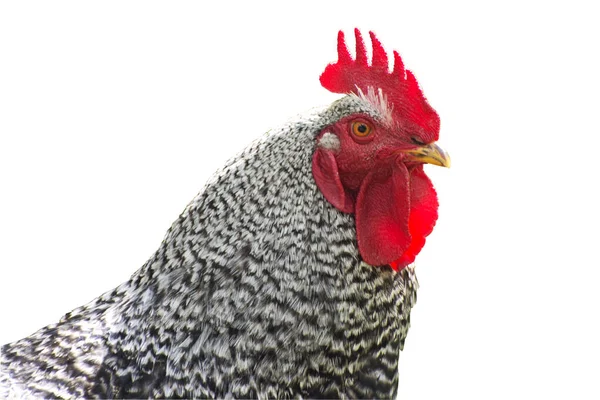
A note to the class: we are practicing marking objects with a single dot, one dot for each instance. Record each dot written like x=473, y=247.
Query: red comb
x=399, y=86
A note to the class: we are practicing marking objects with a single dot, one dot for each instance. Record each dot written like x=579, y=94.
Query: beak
x=430, y=154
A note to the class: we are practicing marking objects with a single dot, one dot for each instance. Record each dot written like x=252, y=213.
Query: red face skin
x=358, y=155
x=371, y=175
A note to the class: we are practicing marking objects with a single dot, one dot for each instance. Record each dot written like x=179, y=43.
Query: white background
x=113, y=115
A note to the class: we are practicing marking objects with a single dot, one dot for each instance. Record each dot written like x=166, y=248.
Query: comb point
x=361, y=51
x=343, y=53
x=380, y=59
x=398, y=66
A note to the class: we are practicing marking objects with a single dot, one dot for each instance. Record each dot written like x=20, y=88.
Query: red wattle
x=382, y=213
x=423, y=215
x=327, y=177
x=396, y=208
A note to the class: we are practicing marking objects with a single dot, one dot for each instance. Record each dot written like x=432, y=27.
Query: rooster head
x=369, y=161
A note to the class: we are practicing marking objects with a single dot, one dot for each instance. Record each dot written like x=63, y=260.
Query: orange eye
x=361, y=129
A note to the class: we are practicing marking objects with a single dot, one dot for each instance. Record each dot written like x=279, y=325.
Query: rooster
x=289, y=275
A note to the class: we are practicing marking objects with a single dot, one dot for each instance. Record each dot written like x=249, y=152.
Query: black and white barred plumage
x=258, y=290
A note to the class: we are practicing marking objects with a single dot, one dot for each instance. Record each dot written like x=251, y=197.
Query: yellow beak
x=430, y=154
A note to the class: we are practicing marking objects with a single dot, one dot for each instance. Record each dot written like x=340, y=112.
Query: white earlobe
x=329, y=141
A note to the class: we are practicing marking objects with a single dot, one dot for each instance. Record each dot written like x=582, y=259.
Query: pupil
x=362, y=128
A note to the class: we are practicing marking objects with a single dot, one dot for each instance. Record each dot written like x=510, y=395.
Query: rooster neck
x=257, y=289
x=263, y=273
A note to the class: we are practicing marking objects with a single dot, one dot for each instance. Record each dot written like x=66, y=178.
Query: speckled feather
x=258, y=290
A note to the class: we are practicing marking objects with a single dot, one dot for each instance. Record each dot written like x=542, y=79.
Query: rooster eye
x=361, y=129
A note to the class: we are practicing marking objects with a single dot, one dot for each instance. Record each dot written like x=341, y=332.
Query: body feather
x=258, y=290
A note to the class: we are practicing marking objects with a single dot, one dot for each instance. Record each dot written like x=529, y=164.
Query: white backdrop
x=113, y=115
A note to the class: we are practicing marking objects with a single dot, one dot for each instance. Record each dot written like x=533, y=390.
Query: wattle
x=396, y=209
